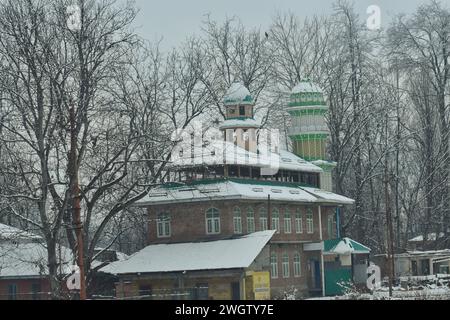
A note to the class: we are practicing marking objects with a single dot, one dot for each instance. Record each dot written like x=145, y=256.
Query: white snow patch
x=219, y=254
x=237, y=92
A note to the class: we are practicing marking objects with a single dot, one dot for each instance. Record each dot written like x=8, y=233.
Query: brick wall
x=24, y=289
x=188, y=221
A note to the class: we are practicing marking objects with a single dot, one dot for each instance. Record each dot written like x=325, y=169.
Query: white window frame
x=163, y=226
x=263, y=219
x=274, y=266
x=276, y=220
x=250, y=220
x=287, y=222
x=237, y=220
x=297, y=265
x=309, y=222
x=285, y=265
x=298, y=222
x=212, y=219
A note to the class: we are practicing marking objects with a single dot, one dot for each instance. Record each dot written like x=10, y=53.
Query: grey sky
x=174, y=20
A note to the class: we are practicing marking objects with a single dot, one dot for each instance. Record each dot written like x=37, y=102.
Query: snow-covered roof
x=327, y=196
x=218, y=152
x=29, y=259
x=235, y=189
x=430, y=237
x=306, y=86
x=11, y=233
x=220, y=254
x=324, y=163
x=241, y=123
x=344, y=246
x=237, y=94
x=290, y=161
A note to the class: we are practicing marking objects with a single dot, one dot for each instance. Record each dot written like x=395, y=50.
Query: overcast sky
x=174, y=20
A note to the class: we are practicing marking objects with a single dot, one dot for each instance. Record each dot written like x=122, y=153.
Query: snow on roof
x=220, y=254
x=344, y=246
x=237, y=94
x=436, y=254
x=324, y=163
x=218, y=152
x=29, y=259
x=243, y=123
x=328, y=197
x=430, y=237
x=11, y=233
x=233, y=189
x=306, y=86
x=290, y=161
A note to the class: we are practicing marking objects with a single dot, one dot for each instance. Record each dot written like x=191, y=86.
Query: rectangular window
x=285, y=265
x=275, y=220
x=163, y=226
x=212, y=221
x=242, y=110
x=297, y=265
x=276, y=224
x=12, y=291
x=273, y=266
x=298, y=222
x=309, y=222
x=237, y=220
x=237, y=224
x=287, y=223
x=250, y=221
x=263, y=219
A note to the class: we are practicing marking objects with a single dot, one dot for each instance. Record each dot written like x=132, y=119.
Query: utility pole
x=269, y=213
x=75, y=193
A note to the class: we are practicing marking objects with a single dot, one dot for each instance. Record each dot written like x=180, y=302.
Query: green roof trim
x=239, y=118
x=248, y=99
x=330, y=245
x=307, y=103
x=309, y=136
x=308, y=111
x=173, y=185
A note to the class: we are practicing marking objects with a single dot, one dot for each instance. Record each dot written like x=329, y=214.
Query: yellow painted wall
x=257, y=285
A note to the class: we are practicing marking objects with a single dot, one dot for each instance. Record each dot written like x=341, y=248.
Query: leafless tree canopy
x=387, y=90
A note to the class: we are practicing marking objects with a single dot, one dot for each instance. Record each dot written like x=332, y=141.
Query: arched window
x=276, y=220
x=163, y=225
x=274, y=265
x=287, y=221
x=309, y=221
x=298, y=221
x=263, y=219
x=212, y=221
x=285, y=265
x=330, y=226
x=250, y=220
x=237, y=220
x=297, y=265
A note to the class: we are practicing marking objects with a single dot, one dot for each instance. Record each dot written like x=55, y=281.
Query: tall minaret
x=239, y=126
x=309, y=132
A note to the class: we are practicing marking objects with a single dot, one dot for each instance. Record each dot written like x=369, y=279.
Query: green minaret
x=309, y=131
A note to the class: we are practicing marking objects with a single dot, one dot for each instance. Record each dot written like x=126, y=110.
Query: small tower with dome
x=309, y=131
x=240, y=126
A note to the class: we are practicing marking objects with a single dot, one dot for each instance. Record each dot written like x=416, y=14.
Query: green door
x=335, y=276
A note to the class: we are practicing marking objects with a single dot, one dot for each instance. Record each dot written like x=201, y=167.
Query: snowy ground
x=413, y=288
